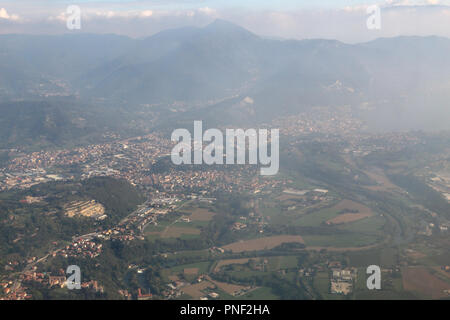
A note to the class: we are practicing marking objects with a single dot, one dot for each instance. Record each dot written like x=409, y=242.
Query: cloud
x=415, y=3
x=105, y=14
x=94, y=13
x=207, y=11
x=4, y=15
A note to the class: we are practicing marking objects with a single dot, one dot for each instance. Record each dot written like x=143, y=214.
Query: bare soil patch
x=191, y=271
x=201, y=214
x=348, y=217
x=419, y=279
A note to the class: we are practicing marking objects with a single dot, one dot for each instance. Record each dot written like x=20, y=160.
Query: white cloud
x=5, y=15
x=146, y=13
x=404, y=3
x=207, y=11
x=91, y=14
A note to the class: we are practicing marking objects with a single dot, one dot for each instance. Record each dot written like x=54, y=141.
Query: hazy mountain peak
x=223, y=26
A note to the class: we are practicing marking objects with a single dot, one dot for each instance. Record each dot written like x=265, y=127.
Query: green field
x=385, y=258
x=285, y=262
x=339, y=240
x=262, y=293
x=370, y=225
x=316, y=218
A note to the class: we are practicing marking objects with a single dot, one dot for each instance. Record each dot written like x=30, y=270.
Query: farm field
x=188, y=226
x=384, y=257
x=199, y=268
x=391, y=288
x=231, y=289
x=348, y=240
x=223, y=263
x=348, y=217
x=370, y=225
x=420, y=280
x=262, y=293
x=266, y=243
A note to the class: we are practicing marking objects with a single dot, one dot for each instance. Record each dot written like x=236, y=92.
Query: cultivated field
x=419, y=279
x=231, y=289
x=266, y=243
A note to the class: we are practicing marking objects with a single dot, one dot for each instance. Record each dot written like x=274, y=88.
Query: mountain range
x=397, y=82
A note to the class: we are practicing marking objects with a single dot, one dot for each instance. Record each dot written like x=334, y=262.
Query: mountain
x=54, y=122
x=403, y=79
x=29, y=62
x=186, y=64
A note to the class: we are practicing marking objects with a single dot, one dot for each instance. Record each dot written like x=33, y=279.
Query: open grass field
x=283, y=262
x=351, y=205
x=177, y=228
x=273, y=212
x=316, y=218
x=383, y=257
x=262, y=293
x=223, y=263
x=336, y=214
x=370, y=225
x=274, y=263
x=346, y=242
x=348, y=217
x=199, y=217
x=231, y=289
x=175, y=232
x=285, y=197
x=362, y=212
x=383, y=182
x=266, y=243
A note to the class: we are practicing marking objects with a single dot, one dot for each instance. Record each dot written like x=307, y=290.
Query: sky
x=344, y=20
